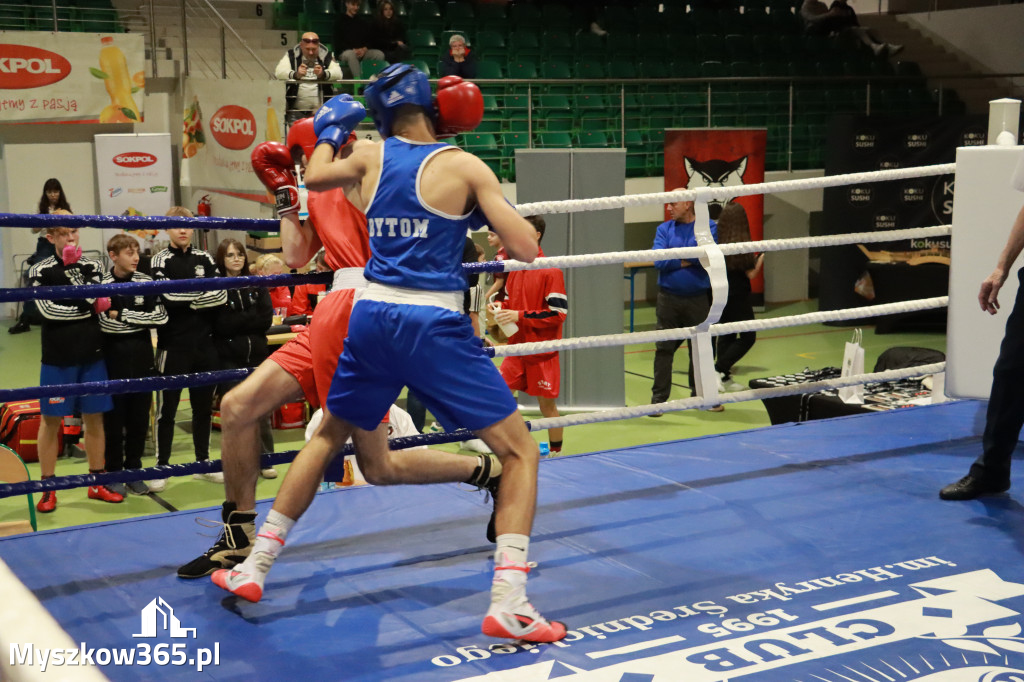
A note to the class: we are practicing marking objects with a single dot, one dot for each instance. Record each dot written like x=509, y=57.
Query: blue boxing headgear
x=395, y=86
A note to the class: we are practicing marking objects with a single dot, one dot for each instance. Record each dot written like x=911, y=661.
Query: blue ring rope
x=165, y=286
x=119, y=386
x=207, y=466
x=162, y=286
x=139, y=222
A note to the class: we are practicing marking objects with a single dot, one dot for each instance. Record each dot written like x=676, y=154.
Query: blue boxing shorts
x=51, y=375
x=431, y=350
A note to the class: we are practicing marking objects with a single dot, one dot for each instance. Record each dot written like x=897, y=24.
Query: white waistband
x=449, y=300
x=348, y=278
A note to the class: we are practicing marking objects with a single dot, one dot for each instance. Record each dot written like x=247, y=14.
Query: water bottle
x=545, y=449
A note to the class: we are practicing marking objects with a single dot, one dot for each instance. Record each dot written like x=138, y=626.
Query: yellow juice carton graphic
x=119, y=83
x=192, y=138
x=273, y=127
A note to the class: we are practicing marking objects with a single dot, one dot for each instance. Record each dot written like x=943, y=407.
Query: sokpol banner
x=726, y=157
x=222, y=123
x=71, y=77
x=134, y=175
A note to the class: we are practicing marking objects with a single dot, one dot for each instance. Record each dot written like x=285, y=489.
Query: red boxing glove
x=460, y=106
x=273, y=165
x=101, y=305
x=71, y=254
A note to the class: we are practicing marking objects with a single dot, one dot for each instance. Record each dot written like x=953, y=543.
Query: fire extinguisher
x=203, y=208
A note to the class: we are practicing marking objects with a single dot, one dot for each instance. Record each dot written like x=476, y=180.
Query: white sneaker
x=157, y=485
x=269, y=472
x=596, y=29
x=476, y=445
x=212, y=477
x=728, y=384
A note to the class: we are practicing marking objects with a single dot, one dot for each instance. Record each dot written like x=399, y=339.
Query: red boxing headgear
x=301, y=134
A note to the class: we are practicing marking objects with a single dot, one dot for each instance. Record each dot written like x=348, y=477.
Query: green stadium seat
x=490, y=43
x=588, y=45
x=512, y=141
x=459, y=15
x=590, y=69
x=369, y=67
x=593, y=101
x=555, y=69
x=554, y=140
x=557, y=17
x=488, y=68
x=592, y=140
x=422, y=38
x=522, y=69
x=619, y=68
x=618, y=19
x=483, y=145
x=654, y=69
x=489, y=124
x=525, y=17
x=318, y=7
x=420, y=64
x=491, y=17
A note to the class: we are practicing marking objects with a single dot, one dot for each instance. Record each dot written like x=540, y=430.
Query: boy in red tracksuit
x=535, y=301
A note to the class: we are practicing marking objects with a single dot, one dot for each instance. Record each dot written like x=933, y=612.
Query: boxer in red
x=305, y=365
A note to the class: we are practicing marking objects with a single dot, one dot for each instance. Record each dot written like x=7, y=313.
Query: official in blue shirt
x=684, y=295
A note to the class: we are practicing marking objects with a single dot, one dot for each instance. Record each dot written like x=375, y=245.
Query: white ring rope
x=616, y=414
x=820, y=317
x=724, y=193
x=690, y=252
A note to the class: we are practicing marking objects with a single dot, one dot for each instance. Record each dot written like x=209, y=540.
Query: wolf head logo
x=714, y=173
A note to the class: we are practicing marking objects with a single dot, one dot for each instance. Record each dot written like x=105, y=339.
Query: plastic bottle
x=118, y=81
x=273, y=127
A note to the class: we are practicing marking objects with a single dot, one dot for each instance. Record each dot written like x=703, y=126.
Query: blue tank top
x=414, y=246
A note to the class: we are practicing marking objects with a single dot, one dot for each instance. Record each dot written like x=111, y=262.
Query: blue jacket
x=672, y=276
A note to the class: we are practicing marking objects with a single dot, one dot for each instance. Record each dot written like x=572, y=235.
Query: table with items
x=890, y=395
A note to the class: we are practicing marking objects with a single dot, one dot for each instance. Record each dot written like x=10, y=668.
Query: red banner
x=719, y=158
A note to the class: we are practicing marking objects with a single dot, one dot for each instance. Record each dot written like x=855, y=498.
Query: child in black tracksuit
x=185, y=343
x=128, y=350
x=240, y=330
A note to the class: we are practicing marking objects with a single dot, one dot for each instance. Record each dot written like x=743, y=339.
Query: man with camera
x=311, y=64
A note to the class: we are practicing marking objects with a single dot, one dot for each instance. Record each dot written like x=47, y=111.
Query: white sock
x=269, y=541
x=512, y=550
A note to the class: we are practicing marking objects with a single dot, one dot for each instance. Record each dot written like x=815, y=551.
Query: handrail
x=225, y=24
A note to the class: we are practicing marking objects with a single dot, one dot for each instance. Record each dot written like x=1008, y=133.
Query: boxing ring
x=813, y=551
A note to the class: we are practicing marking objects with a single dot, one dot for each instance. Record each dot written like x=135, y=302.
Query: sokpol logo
x=24, y=66
x=233, y=127
x=135, y=159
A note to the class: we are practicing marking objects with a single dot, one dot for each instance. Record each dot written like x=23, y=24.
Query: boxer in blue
x=408, y=329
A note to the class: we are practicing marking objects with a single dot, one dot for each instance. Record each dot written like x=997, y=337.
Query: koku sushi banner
x=71, y=77
x=222, y=123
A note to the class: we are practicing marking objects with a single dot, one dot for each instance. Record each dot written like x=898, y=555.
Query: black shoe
x=232, y=547
x=492, y=488
x=970, y=486
x=20, y=327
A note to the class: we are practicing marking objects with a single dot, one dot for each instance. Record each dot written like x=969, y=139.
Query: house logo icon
x=159, y=615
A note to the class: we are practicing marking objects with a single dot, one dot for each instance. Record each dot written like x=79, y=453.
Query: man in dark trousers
x=128, y=351
x=355, y=39
x=185, y=343
x=990, y=474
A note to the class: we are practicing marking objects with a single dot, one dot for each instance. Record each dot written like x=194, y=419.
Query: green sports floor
x=780, y=351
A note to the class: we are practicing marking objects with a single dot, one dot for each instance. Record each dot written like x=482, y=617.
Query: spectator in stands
x=355, y=39
x=71, y=354
x=52, y=199
x=840, y=17
x=128, y=351
x=391, y=33
x=185, y=343
x=459, y=61
x=306, y=296
x=240, y=329
x=537, y=304
x=271, y=264
x=311, y=64
x=741, y=268
x=684, y=292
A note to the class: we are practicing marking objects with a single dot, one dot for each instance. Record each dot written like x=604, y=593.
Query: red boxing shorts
x=539, y=378
x=312, y=356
